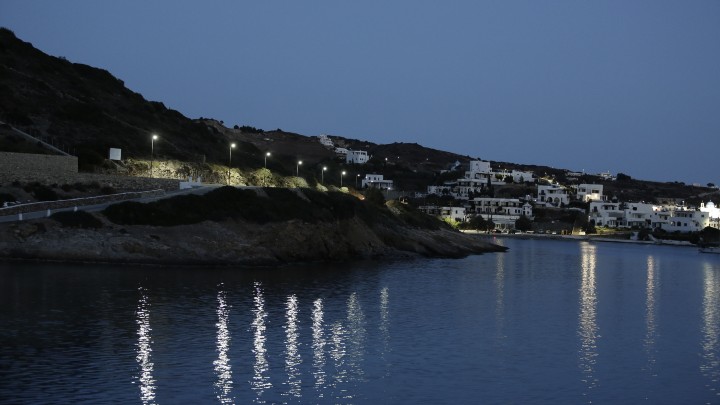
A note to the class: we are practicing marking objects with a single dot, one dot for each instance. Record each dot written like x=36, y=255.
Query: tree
x=523, y=224
x=374, y=196
x=711, y=185
x=623, y=177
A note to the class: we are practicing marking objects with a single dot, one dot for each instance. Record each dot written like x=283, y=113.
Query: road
x=99, y=207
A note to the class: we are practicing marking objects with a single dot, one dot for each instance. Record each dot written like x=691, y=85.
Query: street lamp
x=266, y=156
x=152, y=151
x=322, y=175
x=341, y=177
x=232, y=146
x=297, y=168
x=357, y=176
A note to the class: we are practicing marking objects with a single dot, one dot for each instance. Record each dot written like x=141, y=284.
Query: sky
x=623, y=86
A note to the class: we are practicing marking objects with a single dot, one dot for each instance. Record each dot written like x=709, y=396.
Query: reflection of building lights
x=710, y=366
x=144, y=350
x=588, y=329
x=650, y=310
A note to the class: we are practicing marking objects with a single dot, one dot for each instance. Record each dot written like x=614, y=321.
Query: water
x=547, y=322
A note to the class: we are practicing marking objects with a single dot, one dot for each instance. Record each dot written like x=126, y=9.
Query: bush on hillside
x=78, y=219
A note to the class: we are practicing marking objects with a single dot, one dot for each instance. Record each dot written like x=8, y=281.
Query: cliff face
x=232, y=242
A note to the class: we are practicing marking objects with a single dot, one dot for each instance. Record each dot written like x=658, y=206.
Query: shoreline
x=588, y=238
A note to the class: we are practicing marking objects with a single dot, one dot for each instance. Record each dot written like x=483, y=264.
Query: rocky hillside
x=239, y=227
x=86, y=111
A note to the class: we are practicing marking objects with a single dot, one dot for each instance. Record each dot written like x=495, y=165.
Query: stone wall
x=32, y=165
x=50, y=170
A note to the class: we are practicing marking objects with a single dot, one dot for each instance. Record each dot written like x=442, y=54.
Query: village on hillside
x=471, y=198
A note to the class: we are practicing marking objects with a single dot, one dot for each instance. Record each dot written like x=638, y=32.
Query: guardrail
x=78, y=202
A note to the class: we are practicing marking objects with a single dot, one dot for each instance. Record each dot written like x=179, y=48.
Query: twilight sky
x=620, y=86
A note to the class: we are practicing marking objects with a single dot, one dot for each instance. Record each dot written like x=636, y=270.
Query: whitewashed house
x=502, y=211
x=455, y=213
x=326, y=141
x=590, y=192
x=377, y=181
x=341, y=151
x=552, y=195
x=357, y=157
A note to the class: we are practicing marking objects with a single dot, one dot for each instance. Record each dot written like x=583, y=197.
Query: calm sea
x=555, y=322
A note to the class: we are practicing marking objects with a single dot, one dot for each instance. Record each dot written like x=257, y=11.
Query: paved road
x=99, y=207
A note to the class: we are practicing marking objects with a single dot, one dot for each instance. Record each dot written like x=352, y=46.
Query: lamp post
x=322, y=175
x=152, y=152
x=341, y=177
x=357, y=176
x=232, y=146
x=266, y=156
x=297, y=168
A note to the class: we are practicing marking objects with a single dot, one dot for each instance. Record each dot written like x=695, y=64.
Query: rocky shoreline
x=232, y=243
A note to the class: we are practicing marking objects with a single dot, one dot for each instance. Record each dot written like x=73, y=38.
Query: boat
x=710, y=249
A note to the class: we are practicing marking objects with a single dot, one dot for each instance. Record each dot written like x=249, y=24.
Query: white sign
x=115, y=154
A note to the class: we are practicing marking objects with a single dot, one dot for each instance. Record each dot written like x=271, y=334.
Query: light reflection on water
x=292, y=354
x=509, y=328
x=710, y=366
x=223, y=369
x=588, y=327
x=144, y=350
x=651, y=286
x=318, y=346
x=261, y=380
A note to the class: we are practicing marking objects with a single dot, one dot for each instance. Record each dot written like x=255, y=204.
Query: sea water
x=546, y=322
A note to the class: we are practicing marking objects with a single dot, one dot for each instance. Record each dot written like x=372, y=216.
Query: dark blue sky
x=620, y=86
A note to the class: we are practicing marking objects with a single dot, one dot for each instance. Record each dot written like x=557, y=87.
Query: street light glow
x=153, y=138
x=266, y=156
x=297, y=168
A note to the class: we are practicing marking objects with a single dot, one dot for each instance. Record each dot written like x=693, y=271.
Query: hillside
x=85, y=111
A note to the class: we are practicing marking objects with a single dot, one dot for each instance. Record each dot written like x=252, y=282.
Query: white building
x=377, y=181
x=522, y=177
x=694, y=220
x=643, y=215
x=326, y=142
x=552, y=195
x=356, y=157
x=502, y=211
x=590, y=192
x=455, y=213
x=341, y=151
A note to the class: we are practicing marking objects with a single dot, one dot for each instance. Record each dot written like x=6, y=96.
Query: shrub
x=6, y=197
x=44, y=193
x=78, y=219
x=374, y=196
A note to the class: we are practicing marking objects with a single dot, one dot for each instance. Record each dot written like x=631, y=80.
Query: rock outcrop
x=231, y=242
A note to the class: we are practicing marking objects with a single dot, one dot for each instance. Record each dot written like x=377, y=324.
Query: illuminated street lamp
x=357, y=176
x=341, y=177
x=322, y=175
x=232, y=146
x=152, y=152
x=297, y=168
x=266, y=156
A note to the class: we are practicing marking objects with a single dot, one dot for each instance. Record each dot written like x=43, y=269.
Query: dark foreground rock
x=232, y=242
